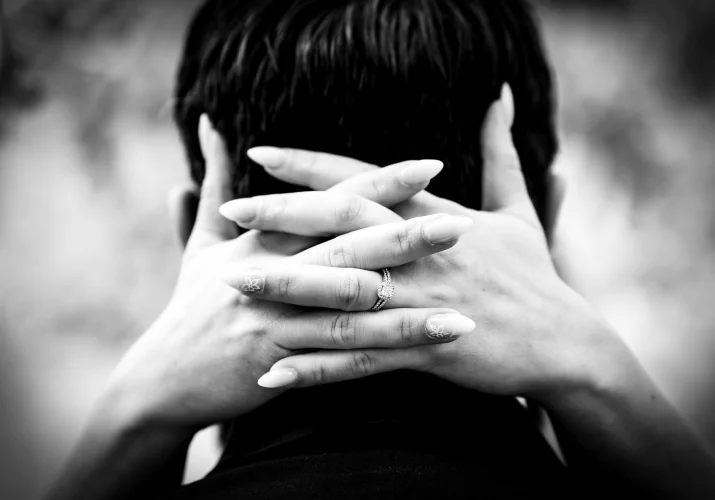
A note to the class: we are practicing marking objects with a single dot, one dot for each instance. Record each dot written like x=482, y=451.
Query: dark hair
x=378, y=80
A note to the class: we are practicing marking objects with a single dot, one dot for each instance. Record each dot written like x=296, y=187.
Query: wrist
x=123, y=412
x=121, y=455
x=135, y=400
x=141, y=393
x=598, y=366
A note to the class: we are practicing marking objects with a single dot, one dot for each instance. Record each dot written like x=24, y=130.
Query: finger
x=319, y=286
x=217, y=189
x=326, y=367
x=389, y=245
x=504, y=184
x=311, y=213
x=386, y=186
x=287, y=244
x=323, y=171
x=318, y=171
x=392, y=328
x=393, y=184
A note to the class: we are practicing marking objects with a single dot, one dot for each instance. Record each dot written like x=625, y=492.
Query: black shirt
x=391, y=436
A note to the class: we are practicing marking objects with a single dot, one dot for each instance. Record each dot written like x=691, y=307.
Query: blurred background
x=88, y=152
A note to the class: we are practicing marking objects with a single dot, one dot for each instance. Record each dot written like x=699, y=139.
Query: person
x=331, y=389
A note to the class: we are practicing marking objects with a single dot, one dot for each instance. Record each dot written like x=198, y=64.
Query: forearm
x=624, y=433
x=119, y=457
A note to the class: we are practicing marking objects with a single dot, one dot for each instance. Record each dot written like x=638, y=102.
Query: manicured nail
x=507, y=102
x=267, y=156
x=420, y=172
x=212, y=145
x=280, y=377
x=205, y=129
x=448, y=327
x=240, y=211
x=254, y=281
x=447, y=228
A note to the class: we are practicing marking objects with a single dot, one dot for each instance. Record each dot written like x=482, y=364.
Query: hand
x=535, y=336
x=198, y=364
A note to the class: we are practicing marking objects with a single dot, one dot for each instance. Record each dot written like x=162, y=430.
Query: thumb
x=217, y=189
x=504, y=184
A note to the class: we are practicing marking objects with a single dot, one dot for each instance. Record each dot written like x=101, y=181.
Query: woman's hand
x=535, y=336
x=199, y=363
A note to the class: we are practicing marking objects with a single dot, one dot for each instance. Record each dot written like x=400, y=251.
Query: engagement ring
x=384, y=291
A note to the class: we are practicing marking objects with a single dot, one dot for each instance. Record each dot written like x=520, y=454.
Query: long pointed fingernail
x=280, y=377
x=448, y=327
x=240, y=211
x=205, y=128
x=446, y=229
x=507, y=103
x=420, y=172
x=268, y=156
x=211, y=142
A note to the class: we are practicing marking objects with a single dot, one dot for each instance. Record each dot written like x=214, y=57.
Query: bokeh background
x=88, y=153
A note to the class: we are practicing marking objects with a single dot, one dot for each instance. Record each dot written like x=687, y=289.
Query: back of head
x=381, y=81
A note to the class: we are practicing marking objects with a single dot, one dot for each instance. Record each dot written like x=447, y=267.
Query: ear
x=557, y=192
x=183, y=207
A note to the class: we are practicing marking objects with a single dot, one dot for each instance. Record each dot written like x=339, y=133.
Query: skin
x=534, y=336
x=198, y=364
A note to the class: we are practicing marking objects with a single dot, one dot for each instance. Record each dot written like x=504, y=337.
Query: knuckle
x=362, y=364
x=405, y=238
x=318, y=373
x=349, y=209
x=341, y=255
x=377, y=186
x=283, y=285
x=343, y=331
x=347, y=294
x=406, y=329
x=252, y=328
x=272, y=207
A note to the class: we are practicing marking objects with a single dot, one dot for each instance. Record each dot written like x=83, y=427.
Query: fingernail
x=507, y=102
x=280, y=377
x=420, y=172
x=204, y=133
x=254, y=281
x=240, y=211
x=267, y=156
x=447, y=228
x=448, y=327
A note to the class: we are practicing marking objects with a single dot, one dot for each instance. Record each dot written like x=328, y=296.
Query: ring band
x=384, y=291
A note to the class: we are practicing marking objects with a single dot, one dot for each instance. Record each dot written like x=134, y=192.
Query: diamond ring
x=384, y=291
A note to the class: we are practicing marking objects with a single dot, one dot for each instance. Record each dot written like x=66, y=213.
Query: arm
x=535, y=336
x=200, y=362
x=620, y=431
x=121, y=456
